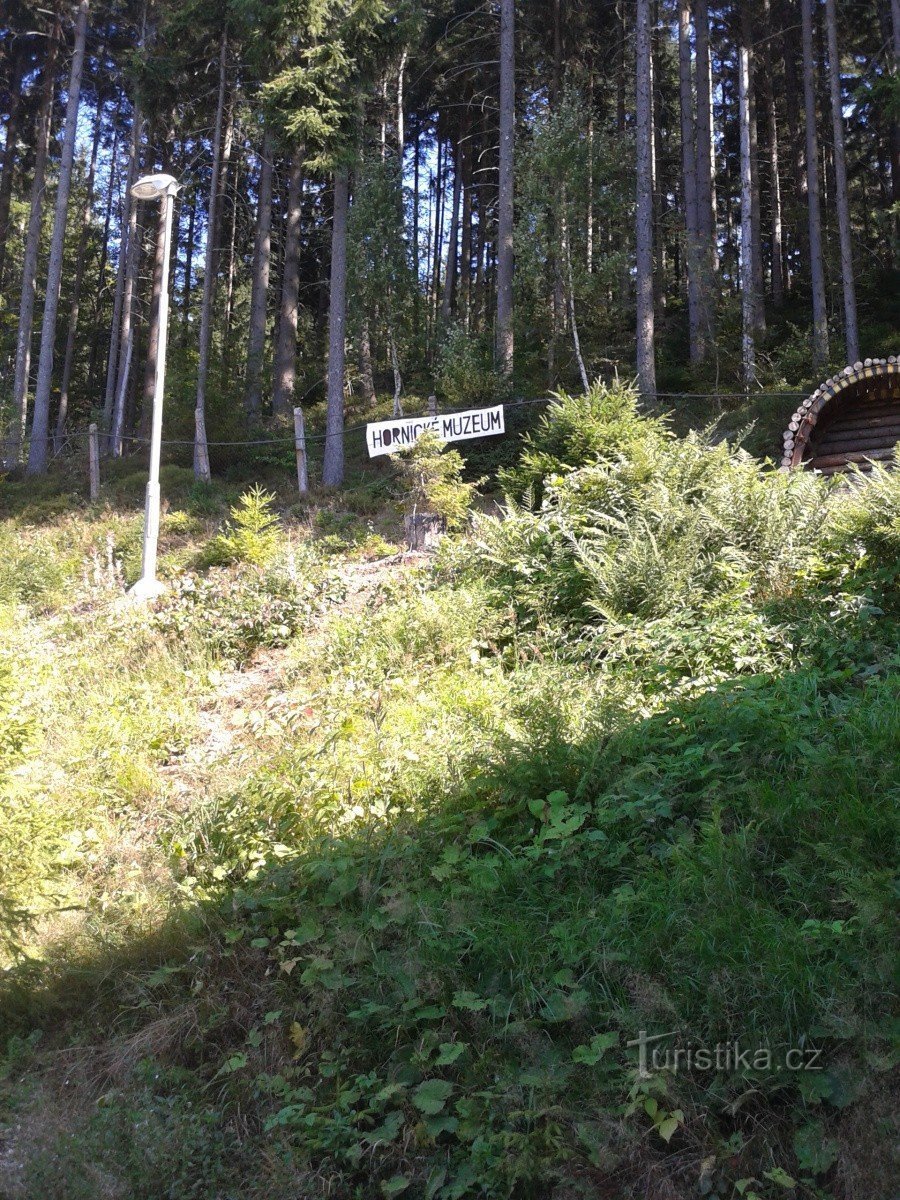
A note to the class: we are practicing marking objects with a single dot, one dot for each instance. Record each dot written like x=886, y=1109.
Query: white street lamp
x=156, y=187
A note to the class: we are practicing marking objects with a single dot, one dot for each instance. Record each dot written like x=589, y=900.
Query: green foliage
x=231, y=614
x=464, y=373
x=253, y=534
x=431, y=481
x=576, y=431
x=627, y=760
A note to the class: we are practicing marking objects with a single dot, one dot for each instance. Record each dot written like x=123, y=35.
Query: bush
x=251, y=536
x=233, y=613
x=465, y=375
x=600, y=425
x=431, y=481
x=651, y=523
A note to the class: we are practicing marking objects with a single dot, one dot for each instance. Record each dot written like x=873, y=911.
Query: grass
x=357, y=878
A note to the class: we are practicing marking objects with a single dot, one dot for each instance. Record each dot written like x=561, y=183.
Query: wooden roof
x=853, y=417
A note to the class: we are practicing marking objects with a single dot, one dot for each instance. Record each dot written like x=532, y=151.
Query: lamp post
x=156, y=187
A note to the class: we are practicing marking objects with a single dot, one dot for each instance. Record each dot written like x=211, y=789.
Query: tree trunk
x=438, y=228
x=416, y=255
x=706, y=193
x=768, y=87
x=504, y=335
x=398, y=378
x=129, y=308
x=401, y=128
x=589, y=217
x=646, y=357
x=9, y=149
x=189, y=262
x=333, y=468
x=567, y=258
x=840, y=181
x=32, y=245
x=100, y=293
x=285, y=365
x=696, y=319
x=366, y=378
x=799, y=225
x=40, y=429
x=230, y=271
x=759, y=286
x=816, y=265
x=259, y=291
x=75, y=306
x=464, y=268
x=121, y=317
x=448, y=298
x=748, y=349
x=201, y=453
x=894, y=128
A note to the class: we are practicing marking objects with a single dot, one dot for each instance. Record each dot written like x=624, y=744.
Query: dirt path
x=241, y=707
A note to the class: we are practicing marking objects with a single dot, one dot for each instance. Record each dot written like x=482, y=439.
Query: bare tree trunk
x=816, y=265
x=259, y=291
x=589, y=220
x=201, y=453
x=759, y=284
x=567, y=257
x=504, y=334
x=9, y=148
x=40, y=429
x=416, y=253
x=438, y=227
x=894, y=133
x=696, y=319
x=398, y=378
x=646, y=356
x=840, y=180
x=401, y=128
x=333, y=468
x=75, y=306
x=32, y=245
x=230, y=270
x=127, y=236
x=748, y=349
x=286, y=337
x=366, y=378
x=768, y=87
x=189, y=262
x=449, y=295
x=464, y=269
x=706, y=194
x=795, y=128
x=100, y=293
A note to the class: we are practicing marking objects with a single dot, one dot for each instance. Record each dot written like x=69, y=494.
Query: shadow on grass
x=446, y=990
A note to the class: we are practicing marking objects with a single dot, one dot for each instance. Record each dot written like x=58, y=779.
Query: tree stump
x=423, y=530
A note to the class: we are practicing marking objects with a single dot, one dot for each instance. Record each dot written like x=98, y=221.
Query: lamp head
x=152, y=187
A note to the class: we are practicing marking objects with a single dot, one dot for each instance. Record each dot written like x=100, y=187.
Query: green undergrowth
x=624, y=760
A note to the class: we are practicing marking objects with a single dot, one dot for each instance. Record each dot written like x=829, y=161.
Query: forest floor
x=339, y=874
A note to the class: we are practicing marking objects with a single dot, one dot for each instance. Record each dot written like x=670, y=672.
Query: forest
x=472, y=200
x=507, y=817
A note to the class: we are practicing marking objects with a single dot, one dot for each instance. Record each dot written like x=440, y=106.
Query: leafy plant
x=464, y=374
x=431, y=481
x=253, y=534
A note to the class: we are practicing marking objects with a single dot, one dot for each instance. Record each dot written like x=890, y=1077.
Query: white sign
x=386, y=437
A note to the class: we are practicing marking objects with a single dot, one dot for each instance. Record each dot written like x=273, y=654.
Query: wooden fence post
x=94, y=461
x=300, y=448
x=432, y=406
